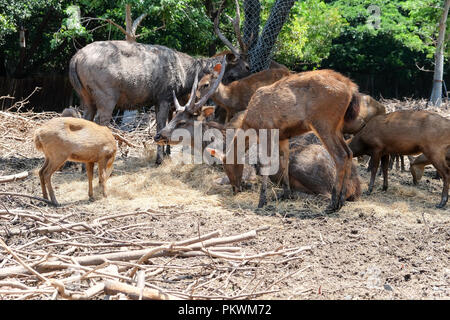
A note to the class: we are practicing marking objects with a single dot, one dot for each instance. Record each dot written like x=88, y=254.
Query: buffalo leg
x=162, y=113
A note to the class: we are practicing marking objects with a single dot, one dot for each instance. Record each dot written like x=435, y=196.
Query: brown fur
x=79, y=140
x=417, y=167
x=235, y=96
x=310, y=101
x=405, y=133
x=312, y=170
x=368, y=108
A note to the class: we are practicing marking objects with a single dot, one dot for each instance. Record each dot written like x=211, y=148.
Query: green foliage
x=307, y=37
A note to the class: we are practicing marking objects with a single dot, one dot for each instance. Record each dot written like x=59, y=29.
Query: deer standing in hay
x=78, y=140
x=319, y=101
x=405, y=133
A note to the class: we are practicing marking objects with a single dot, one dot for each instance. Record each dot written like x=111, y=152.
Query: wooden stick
x=115, y=287
x=27, y=196
x=14, y=177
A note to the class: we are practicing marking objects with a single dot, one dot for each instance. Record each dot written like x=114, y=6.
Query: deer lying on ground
x=78, y=140
x=235, y=96
x=417, y=167
x=405, y=133
x=318, y=101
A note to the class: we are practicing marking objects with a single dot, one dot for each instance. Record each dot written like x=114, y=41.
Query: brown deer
x=235, y=96
x=368, y=108
x=417, y=166
x=78, y=140
x=318, y=101
x=405, y=133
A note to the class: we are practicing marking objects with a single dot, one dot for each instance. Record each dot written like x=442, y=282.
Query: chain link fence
x=260, y=51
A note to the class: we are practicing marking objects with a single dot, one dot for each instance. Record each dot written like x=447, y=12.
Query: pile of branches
x=45, y=255
x=415, y=104
x=17, y=129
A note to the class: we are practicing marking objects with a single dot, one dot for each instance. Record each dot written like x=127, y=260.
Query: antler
x=191, y=98
x=219, y=33
x=237, y=29
x=191, y=106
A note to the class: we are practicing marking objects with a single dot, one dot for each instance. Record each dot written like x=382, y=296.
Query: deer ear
x=208, y=110
x=217, y=68
x=216, y=153
x=231, y=57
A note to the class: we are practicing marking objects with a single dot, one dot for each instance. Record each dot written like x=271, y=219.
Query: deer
x=405, y=132
x=417, y=166
x=235, y=96
x=311, y=168
x=78, y=140
x=319, y=101
x=368, y=108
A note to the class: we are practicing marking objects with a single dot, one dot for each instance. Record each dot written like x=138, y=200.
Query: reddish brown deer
x=318, y=101
x=235, y=96
x=78, y=140
x=405, y=133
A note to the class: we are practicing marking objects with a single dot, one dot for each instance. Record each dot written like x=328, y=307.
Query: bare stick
x=115, y=287
x=26, y=196
x=14, y=177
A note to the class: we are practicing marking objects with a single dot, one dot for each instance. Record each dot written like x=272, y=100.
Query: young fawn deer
x=405, y=133
x=79, y=140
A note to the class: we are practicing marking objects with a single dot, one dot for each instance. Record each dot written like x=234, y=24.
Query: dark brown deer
x=318, y=101
x=405, y=133
x=78, y=140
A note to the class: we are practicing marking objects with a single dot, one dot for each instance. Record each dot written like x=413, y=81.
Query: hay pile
x=164, y=232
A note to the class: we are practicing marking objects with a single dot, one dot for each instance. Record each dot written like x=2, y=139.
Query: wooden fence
x=56, y=92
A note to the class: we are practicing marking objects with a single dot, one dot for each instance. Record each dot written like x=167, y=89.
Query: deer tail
x=37, y=141
x=353, y=107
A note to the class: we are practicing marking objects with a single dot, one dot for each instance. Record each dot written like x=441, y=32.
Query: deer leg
x=341, y=154
x=54, y=164
x=385, y=167
x=41, y=177
x=102, y=176
x=439, y=162
x=373, y=174
x=402, y=163
x=284, y=163
x=162, y=113
x=90, y=175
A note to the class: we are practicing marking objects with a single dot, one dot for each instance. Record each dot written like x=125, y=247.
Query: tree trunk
x=436, y=94
x=259, y=56
x=129, y=23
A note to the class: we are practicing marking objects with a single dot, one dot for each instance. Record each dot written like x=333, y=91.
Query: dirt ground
x=387, y=245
